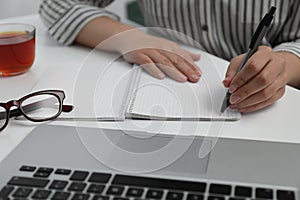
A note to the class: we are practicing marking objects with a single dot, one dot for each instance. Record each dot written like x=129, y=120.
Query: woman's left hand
x=260, y=83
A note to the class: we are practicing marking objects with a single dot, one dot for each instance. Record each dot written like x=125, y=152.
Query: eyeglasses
x=37, y=107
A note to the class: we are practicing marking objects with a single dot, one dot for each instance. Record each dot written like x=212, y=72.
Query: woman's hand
x=260, y=83
x=160, y=57
x=156, y=55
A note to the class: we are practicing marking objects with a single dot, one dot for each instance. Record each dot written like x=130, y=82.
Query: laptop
x=58, y=162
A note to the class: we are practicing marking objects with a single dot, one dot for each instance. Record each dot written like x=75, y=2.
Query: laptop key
x=63, y=171
x=79, y=176
x=41, y=175
x=264, y=193
x=154, y=194
x=220, y=189
x=195, y=197
x=61, y=195
x=41, y=194
x=77, y=186
x=134, y=192
x=43, y=172
x=100, y=197
x=285, y=195
x=99, y=178
x=174, y=195
x=26, y=168
x=120, y=198
x=234, y=198
x=215, y=198
x=45, y=169
x=22, y=192
x=115, y=190
x=242, y=191
x=58, y=185
x=95, y=188
x=159, y=183
x=80, y=196
x=5, y=191
x=29, y=182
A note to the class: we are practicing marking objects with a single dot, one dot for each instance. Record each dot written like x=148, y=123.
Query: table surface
x=279, y=122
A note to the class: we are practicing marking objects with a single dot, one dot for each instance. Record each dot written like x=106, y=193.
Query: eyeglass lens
x=41, y=107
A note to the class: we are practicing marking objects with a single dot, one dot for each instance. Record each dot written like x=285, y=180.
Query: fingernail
x=232, y=88
x=233, y=106
x=225, y=82
x=227, y=78
x=182, y=78
x=234, y=99
x=160, y=75
x=198, y=73
x=194, y=76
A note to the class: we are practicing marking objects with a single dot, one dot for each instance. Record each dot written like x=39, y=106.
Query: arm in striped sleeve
x=292, y=47
x=291, y=52
x=289, y=45
x=65, y=18
x=83, y=22
x=289, y=38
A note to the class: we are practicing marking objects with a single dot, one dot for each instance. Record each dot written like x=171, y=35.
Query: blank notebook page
x=168, y=99
x=97, y=88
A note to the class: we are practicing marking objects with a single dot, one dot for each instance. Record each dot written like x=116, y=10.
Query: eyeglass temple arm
x=32, y=107
x=67, y=108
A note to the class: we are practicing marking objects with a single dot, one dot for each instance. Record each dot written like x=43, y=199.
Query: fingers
x=166, y=65
x=263, y=95
x=178, y=66
x=152, y=69
x=188, y=69
x=260, y=83
x=266, y=103
x=252, y=67
x=190, y=58
x=232, y=69
x=271, y=75
x=145, y=62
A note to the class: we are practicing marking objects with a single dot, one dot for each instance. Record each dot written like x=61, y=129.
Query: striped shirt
x=220, y=27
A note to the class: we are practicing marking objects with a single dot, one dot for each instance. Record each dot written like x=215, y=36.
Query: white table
x=279, y=122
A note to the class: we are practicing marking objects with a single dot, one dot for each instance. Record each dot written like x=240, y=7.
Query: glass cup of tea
x=17, y=48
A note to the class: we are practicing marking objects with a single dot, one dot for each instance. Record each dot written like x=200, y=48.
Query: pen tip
x=224, y=106
x=226, y=102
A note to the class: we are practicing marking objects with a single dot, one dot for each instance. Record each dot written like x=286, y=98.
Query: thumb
x=232, y=69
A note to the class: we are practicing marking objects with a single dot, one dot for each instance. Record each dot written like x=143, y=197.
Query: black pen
x=254, y=44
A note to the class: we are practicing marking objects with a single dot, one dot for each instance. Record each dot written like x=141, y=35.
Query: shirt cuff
x=67, y=27
x=292, y=47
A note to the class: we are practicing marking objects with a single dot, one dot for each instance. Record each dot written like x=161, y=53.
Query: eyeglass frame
x=59, y=94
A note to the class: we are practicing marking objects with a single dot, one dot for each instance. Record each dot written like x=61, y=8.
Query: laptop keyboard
x=62, y=184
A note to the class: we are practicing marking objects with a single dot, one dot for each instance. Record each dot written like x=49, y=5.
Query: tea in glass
x=17, y=48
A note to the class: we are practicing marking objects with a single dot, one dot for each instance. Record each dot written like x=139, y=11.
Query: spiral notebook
x=150, y=98
x=104, y=90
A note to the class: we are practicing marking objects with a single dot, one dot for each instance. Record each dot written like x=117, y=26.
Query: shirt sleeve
x=292, y=47
x=289, y=39
x=64, y=19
